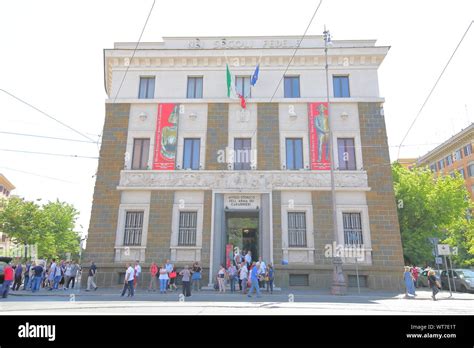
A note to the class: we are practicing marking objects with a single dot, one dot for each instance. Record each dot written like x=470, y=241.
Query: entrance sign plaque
x=242, y=201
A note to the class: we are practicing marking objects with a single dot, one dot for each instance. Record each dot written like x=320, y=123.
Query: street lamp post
x=338, y=286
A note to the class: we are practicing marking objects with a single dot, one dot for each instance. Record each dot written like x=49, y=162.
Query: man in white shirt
x=261, y=272
x=243, y=276
x=248, y=258
x=138, y=271
x=128, y=281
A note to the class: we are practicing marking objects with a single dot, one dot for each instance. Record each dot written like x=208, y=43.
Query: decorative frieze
x=248, y=180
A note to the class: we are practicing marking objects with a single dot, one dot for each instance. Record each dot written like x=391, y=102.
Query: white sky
x=51, y=56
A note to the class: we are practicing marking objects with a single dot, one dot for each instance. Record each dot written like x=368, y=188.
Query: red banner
x=319, y=136
x=166, y=137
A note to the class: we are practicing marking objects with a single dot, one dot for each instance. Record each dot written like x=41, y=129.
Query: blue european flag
x=254, y=79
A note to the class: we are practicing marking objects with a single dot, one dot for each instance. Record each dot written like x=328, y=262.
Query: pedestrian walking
x=414, y=272
x=26, y=282
x=153, y=273
x=128, y=281
x=91, y=277
x=408, y=278
x=186, y=274
x=74, y=269
x=269, y=276
x=18, y=276
x=67, y=274
x=138, y=271
x=248, y=258
x=8, y=275
x=254, y=280
x=433, y=283
x=196, y=276
x=221, y=278
x=261, y=272
x=38, y=276
x=232, y=274
x=163, y=279
x=243, y=276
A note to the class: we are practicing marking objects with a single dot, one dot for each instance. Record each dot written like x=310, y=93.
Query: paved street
x=108, y=301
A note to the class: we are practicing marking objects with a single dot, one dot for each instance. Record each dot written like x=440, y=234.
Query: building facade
x=453, y=156
x=187, y=173
x=6, y=187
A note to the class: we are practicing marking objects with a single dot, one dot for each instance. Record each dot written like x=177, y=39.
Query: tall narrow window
x=292, y=86
x=470, y=170
x=346, y=153
x=187, y=228
x=467, y=150
x=294, y=153
x=352, y=229
x=441, y=164
x=141, y=148
x=297, y=229
x=147, y=88
x=242, y=153
x=341, y=86
x=242, y=85
x=194, y=87
x=133, y=228
x=449, y=160
x=191, y=153
x=458, y=155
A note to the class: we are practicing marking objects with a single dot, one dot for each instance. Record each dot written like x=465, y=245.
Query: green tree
x=431, y=207
x=50, y=227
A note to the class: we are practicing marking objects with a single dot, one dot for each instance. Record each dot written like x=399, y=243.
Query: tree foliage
x=50, y=227
x=432, y=207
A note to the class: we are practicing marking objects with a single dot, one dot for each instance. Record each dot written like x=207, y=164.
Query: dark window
x=242, y=153
x=292, y=86
x=141, y=147
x=352, y=229
x=194, y=87
x=433, y=167
x=147, y=88
x=133, y=228
x=346, y=152
x=458, y=155
x=191, y=153
x=470, y=169
x=242, y=86
x=352, y=281
x=187, y=228
x=467, y=150
x=449, y=160
x=461, y=171
x=297, y=229
x=299, y=280
x=294, y=153
x=441, y=164
x=341, y=86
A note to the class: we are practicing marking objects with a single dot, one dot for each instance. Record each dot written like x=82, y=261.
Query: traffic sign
x=439, y=260
x=455, y=250
x=443, y=249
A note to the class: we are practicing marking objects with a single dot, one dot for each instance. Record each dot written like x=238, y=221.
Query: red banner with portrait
x=229, y=255
x=166, y=137
x=319, y=136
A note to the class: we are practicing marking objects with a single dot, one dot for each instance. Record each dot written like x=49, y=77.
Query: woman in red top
x=153, y=272
x=7, y=280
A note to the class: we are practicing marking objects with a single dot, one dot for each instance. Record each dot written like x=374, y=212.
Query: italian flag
x=231, y=92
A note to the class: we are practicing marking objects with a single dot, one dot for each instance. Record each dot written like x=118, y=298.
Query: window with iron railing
x=352, y=229
x=297, y=229
x=187, y=228
x=133, y=228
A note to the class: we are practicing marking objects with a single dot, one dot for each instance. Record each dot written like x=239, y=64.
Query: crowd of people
x=410, y=278
x=36, y=275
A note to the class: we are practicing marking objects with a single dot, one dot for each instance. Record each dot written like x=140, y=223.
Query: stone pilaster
x=268, y=137
x=217, y=135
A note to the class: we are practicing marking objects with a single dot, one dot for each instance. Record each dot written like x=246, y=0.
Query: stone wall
x=268, y=137
x=217, y=134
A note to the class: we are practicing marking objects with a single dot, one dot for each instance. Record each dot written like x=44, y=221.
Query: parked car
x=3, y=262
x=423, y=277
x=463, y=278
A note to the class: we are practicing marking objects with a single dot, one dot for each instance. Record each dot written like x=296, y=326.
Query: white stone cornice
x=241, y=180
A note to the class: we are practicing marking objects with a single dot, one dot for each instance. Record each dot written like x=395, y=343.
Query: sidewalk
x=319, y=293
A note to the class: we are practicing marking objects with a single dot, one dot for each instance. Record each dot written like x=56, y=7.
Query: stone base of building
x=301, y=277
